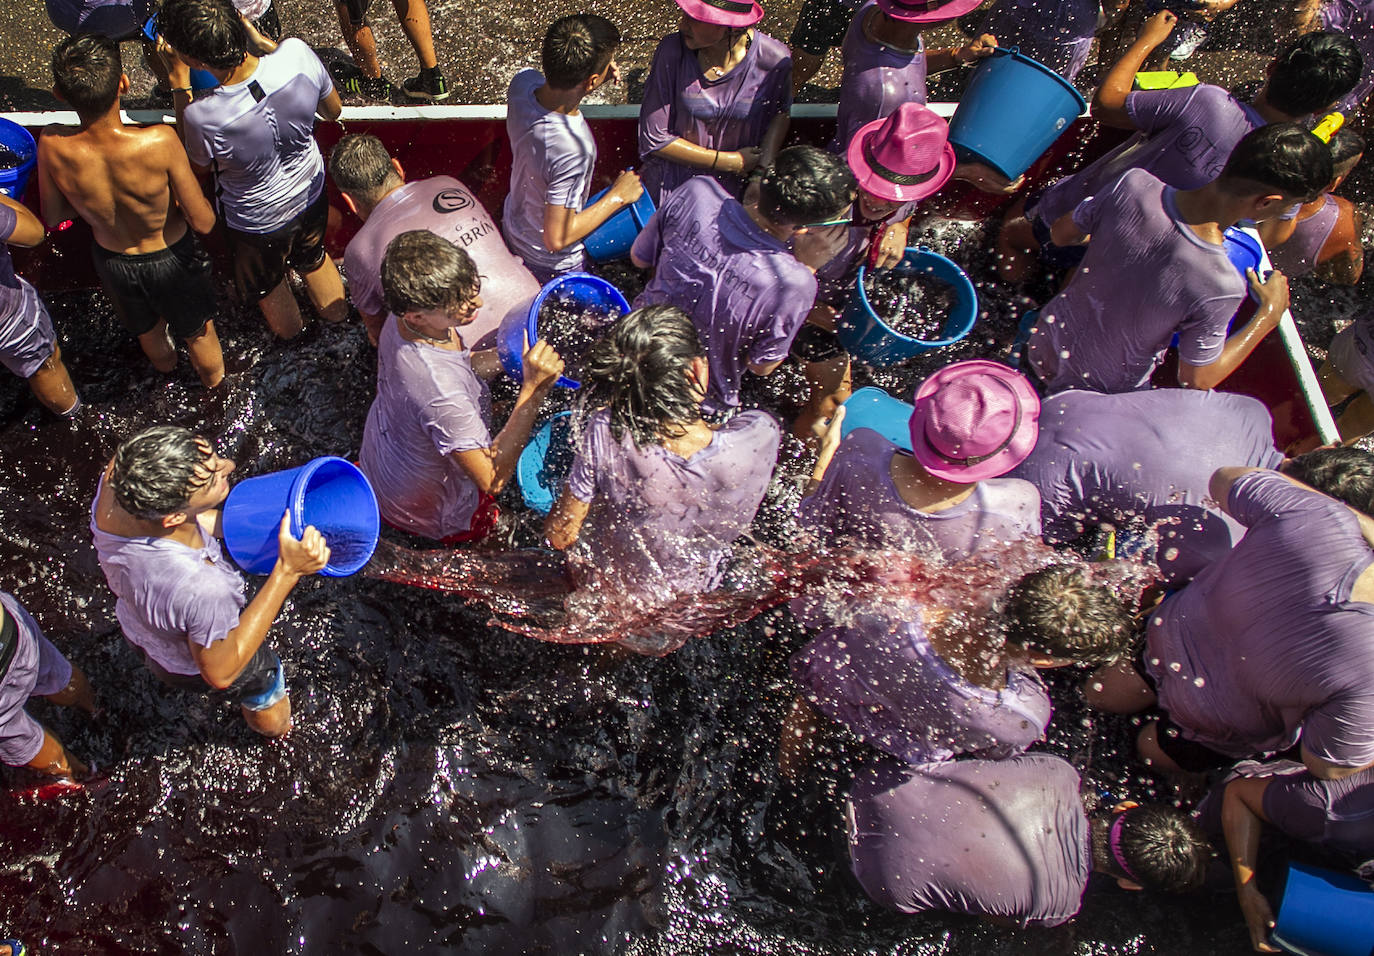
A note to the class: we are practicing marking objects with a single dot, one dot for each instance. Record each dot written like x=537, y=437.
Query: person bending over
x=1325, y=237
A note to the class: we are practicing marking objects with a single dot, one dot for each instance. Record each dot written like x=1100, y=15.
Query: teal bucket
x=1325, y=913
x=613, y=238
x=329, y=493
x=581, y=289
x=19, y=141
x=545, y=463
x=874, y=409
x=867, y=337
x=200, y=79
x=1012, y=111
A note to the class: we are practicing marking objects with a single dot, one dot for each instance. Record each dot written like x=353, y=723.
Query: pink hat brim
x=706, y=13
x=1017, y=450
x=870, y=181
x=949, y=11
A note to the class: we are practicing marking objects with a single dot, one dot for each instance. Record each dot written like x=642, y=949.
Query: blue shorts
x=261, y=685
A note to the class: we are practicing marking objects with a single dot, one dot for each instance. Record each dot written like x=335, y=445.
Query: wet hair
x=1312, y=72
x=360, y=166
x=1345, y=473
x=1282, y=157
x=1163, y=848
x=1345, y=146
x=805, y=184
x=639, y=371
x=576, y=48
x=85, y=70
x=422, y=270
x=157, y=471
x=1059, y=611
x=206, y=30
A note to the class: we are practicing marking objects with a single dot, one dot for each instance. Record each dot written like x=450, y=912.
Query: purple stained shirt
x=1002, y=838
x=1185, y=137
x=1146, y=277
x=661, y=525
x=1298, y=256
x=429, y=405
x=728, y=113
x=1266, y=643
x=747, y=295
x=1354, y=18
x=879, y=676
x=1055, y=33
x=37, y=669
x=877, y=79
x=27, y=338
x=1146, y=456
x=447, y=208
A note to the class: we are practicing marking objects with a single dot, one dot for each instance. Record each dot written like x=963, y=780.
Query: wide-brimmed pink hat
x=905, y=157
x=974, y=420
x=927, y=11
x=724, y=13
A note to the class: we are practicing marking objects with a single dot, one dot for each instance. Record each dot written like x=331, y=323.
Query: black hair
x=640, y=371
x=422, y=270
x=1163, y=848
x=1345, y=146
x=360, y=165
x=157, y=471
x=1059, y=611
x=1312, y=72
x=85, y=70
x=1282, y=157
x=1345, y=473
x=576, y=48
x=805, y=184
x=206, y=30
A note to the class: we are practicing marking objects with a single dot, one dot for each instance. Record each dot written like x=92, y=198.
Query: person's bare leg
x=361, y=43
x=275, y=721
x=1017, y=249
x=206, y=356
x=414, y=18
x=77, y=693
x=282, y=312
x=326, y=291
x=158, y=346
x=831, y=384
x=1118, y=689
x=52, y=386
x=804, y=67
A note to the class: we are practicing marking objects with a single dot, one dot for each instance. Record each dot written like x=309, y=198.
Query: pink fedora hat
x=926, y=11
x=723, y=13
x=974, y=420
x=904, y=157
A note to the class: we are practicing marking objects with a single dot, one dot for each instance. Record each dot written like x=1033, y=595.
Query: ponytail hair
x=640, y=371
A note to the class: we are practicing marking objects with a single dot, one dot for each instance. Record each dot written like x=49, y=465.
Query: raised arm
x=1109, y=102
x=564, y=226
x=28, y=229
x=564, y=522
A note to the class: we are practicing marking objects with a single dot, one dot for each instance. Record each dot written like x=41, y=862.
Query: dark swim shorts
x=172, y=284
x=262, y=258
x=821, y=24
x=357, y=9
x=261, y=685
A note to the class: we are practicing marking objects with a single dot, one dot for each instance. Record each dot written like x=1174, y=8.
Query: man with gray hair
x=156, y=522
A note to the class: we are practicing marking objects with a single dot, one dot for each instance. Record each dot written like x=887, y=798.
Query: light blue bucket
x=200, y=79
x=614, y=237
x=1325, y=913
x=875, y=409
x=867, y=337
x=545, y=462
x=19, y=141
x=583, y=289
x=329, y=493
x=1013, y=109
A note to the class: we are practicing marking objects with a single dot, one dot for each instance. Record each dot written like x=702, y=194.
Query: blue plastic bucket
x=868, y=338
x=1243, y=249
x=583, y=289
x=1012, y=111
x=329, y=493
x=1325, y=913
x=614, y=237
x=200, y=79
x=18, y=141
x=545, y=462
x=873, y=408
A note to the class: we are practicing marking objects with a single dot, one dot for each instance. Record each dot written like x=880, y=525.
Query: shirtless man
x=136, y=189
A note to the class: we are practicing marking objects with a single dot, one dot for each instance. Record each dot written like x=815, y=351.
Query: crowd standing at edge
x=1254, y=669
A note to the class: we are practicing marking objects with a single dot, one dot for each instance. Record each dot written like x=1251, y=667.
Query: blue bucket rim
x=557, y=282
x=524, y=465
x=296, y=501
x=912, y=254
x=29, y=141
x=1015, y=52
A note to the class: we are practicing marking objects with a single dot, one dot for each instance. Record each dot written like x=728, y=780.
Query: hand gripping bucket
x=200, y=79
x=873, y=408
x=1012, y=111
x=579, y=288
x=329, y=493
x=867, y=337
x=18, y=141
x=1325, y=913
x=545, y=462
x=614, y=237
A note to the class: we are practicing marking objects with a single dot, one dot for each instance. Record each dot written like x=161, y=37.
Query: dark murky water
x=572, y=328
x=9, y=159
x=915, y=306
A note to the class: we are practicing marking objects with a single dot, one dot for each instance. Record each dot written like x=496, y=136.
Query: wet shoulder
x=772, y=52
x=755, y=430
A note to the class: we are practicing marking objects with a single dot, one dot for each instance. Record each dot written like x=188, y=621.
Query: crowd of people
x=1248, y=660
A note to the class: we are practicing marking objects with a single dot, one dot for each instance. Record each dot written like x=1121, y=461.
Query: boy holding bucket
x=553, y=151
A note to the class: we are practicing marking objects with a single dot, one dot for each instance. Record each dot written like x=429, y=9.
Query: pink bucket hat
x=974, y=420
x=903, y=158
x=926, y=11
x=724, y=13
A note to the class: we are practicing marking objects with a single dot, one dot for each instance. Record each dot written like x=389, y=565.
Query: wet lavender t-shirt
x=1147, y=456
x=446, y=208
x=1004, y=838
x=429, y=404
x=1266, y=643
x=37, y=669
x=661, y=525
x=26, y=333
x=1354, y=18
x=880, y=678
x=877, y=79
x=728, y=113
x=745, y=292
x=1056, y=33
x=1146, y=276
x=857, y=500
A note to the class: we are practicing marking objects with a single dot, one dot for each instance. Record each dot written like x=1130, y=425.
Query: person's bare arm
x=1242, y=819
x=1065, y=232
x=829, y=434
x=258, y=44
x=330, y=106
x=56, y=207
x=54, y=760
x=1273, y=301
x=190, y=198
x=564, y=522
x=1325, y=770
x=1109, y=102
x=739, y=161
x=937, y=61
x=773, y=138
x=564, y=226
x=28, y=228
x=1305, y=16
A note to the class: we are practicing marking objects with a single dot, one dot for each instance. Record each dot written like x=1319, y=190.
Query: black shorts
x=821, y=24
x=357, y=10
x=261, y=685
x=172, y=284
x=1058, y=258
x=262, y=258
x=1188, y=754
x=815, y=344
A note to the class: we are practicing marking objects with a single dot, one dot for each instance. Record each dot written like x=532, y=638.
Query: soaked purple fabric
x=168, y=594
x=429, y=405
x=116, y=19
x=746, y=294
x=1003, y=838
x=1056, y=33
x=26, y=332
x=1185, y=138
x=447, y=208
x=837, y=277
x=552, y=155
x=879, y=676
x=727, y=114
x=1266, y=643
x=37, y=669
x=1146, y=456
x=661, y=525
x=858, y=501
x=1146, y=277
x=1298, y=256
x=877, y=79
x=1354, y=18
x=267, y=166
